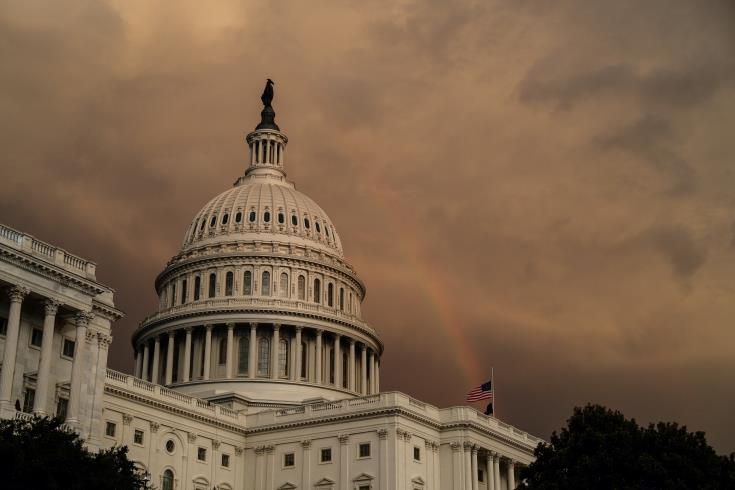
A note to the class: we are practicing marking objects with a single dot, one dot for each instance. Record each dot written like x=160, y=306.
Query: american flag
x=482, y=392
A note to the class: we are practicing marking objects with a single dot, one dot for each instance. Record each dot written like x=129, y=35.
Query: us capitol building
x=257, y=372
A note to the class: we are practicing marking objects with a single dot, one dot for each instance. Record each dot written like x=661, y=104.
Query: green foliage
x=601, y=449
x=42, y=455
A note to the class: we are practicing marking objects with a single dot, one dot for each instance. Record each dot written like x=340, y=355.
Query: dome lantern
x=267, y=143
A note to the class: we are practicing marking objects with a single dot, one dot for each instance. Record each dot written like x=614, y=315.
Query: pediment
x=418, y=480
x=287, y=486
x=324, y=482
x=363, y=477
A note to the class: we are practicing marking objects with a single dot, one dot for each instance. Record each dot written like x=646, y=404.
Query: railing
x=47, y=252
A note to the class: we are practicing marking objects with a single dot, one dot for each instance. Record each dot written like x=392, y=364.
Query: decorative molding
x=238, y=450
x=18, y=293
x=155, y=426
x=104, y=340
x=455, y=446
x=191, y=437
x=82, y=318
x=127, y=419
x=382, y=434
x=215, y=444
x=51, y=307
x=343, y=439
x=306, y=444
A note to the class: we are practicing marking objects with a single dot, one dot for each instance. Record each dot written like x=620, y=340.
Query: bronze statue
x=267, y=96
x=267, y=115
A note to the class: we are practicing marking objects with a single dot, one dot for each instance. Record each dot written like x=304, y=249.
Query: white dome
x=261, y=207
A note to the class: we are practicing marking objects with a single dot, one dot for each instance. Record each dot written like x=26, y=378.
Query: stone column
x=44, y=366
x=230, y=346
x=383, y=462
x=207, y=350
x=156, y=359
x=377, y=375
x=306, y=464
x=457, y=466
x=296, y=371
x=467, y=461
x=82, y=320
x=318, y=356
x=170, y=358
x=187, y=355
x=337, y=361
x=474, y=468
x=351, y=373
x=496, y=470
x=511, y=474
x=344, y=469
x=16, y=294
x=489, y=478
x=253, y=351
x=138, y=363
x=371, y=363
x=363, y=370
x=146, y=360
x=275, y=346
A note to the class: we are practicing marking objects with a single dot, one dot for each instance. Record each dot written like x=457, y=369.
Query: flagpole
x=492, y=385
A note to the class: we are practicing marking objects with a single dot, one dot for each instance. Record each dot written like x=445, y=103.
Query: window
x=29, y=396
x=222, y=357
x=265, y=284
x=229, y=282
x=138, y=437
x=364, y=450
x=183, y=291
x=238, y=217
x=306, y=223
x=213, y=221
x=225, y=460
x=363, y=487
x=251, y=217
x=170, y=446
x=294, y=220
x=110, y=429
x=281, y=218
x=61, y=407
x=326, y=230
x=342, y=299
x=480, y=475
x=302, y=287
x=330, y=294
x=167, y=480
x=318, y=228
x=325, y=455
x=201, y=454
x=416, y=453
x=317, y=291
x=303, y=359
x=212, y=284
x=289, y=461
x=247, y=283
x=283, y=357
x=243, y=353
x=267, y=216
x=67, y=348
x=3, y=326
x=173, y=294
x=197, y=287
x=204, y=222
x=283, y=287
x=225, y=218
x=264, y=354
x=36, y=337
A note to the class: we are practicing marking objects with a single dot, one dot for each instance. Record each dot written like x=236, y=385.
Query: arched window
x=267, y=216
x=173, y=294
x=201, y=226
x=326, y=230
x=183, y=291
x=238, y=217
x=330, y=294
x=283, y=287
x=213, y=221
x=264, y=356
x=229, y=281
x=225, y=218
x=294, y=220
x=306, y=223
x=265, y=284
x=342, y=299
x=283, y=357
x=318, y=228
x=197, y=287
x=167, y=480
x=281, y=218
x=304, y=360
x=247, y=283
x=317, y=291
x=222, y=354
x=251, y=218
x=212, y=285
x=243, y=354
x=302, y=287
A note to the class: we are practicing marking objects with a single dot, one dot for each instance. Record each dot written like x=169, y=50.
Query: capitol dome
x=260, y=308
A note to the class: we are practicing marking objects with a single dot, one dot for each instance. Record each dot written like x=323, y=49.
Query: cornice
x=105, y=311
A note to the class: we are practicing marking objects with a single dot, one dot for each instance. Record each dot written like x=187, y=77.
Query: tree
x=601, y=449
x=42, y=454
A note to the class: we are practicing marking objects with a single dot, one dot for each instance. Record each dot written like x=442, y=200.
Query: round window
x=170, y=446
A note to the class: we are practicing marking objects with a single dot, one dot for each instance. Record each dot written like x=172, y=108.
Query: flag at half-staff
x=482, y=392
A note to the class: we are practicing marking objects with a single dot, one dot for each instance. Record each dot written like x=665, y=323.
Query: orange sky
x=542, y=187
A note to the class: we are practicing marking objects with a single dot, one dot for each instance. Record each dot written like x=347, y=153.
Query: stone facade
x=256, y=372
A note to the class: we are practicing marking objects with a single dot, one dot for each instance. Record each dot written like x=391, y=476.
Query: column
x=146, y=359
x=383, y=462
x=344, y=470
x=306, y=464
x=363, y=370
x=467, y=461
x=457, y=466
x=44, y=367
x=511, y=474
x=377, y=375
x=474, y=468
x=351, y=373
x=337, y=361
x=230, y=346
x=16, y=294
x=187, y=355
x=156, y=359
x=275, y=346
x=372, y=372
x=253, y=350
x=318, y=356
x=496, y=470
x=207, y=350
x=138, y=363
x=82, y=320
x=489, y=477
x=296, y=370
x=170, y=358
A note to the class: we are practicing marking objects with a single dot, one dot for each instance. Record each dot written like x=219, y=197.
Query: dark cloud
x=549, y=183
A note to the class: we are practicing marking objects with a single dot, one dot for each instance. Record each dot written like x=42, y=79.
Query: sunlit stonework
x=257, y=371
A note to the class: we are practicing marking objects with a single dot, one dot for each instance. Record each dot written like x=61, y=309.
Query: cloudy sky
x=545, y=188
